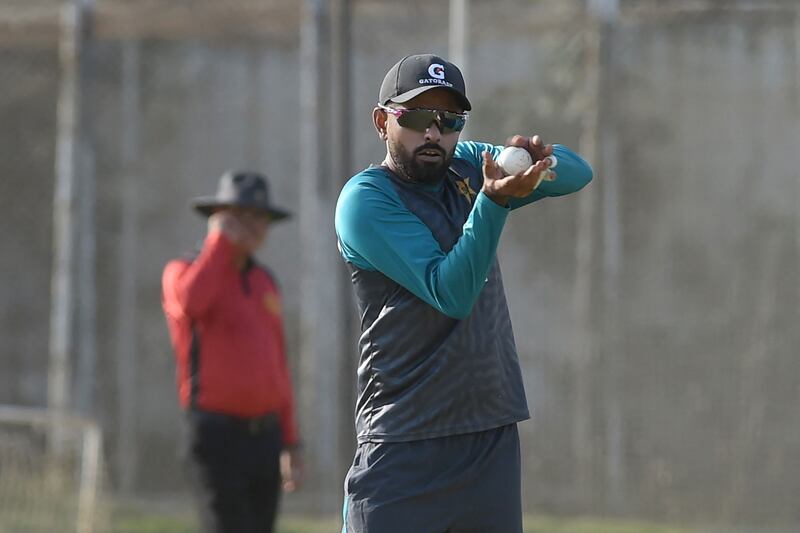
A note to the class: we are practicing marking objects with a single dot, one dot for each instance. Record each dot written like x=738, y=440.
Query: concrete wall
x=683, y=407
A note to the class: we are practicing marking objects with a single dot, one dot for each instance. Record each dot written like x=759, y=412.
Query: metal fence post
x=67, y=163
x=323, y=310
x=127, y=298
x=458, y=46
x=86, y=283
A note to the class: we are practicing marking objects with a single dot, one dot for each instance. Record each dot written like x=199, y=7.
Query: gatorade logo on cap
x=436, y=70
x=436, y=73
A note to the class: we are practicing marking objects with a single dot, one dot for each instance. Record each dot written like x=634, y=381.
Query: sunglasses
x=421, y=119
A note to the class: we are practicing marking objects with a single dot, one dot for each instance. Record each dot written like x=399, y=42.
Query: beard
x=420, y=171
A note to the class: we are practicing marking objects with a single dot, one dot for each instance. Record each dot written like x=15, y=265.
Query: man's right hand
x=500, y=188
x=233, y=229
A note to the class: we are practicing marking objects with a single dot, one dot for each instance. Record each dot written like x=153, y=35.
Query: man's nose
x=433, y=133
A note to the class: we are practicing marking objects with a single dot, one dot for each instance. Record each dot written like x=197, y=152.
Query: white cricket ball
x=514, y=160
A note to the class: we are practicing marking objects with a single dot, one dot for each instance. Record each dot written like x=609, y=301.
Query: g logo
x=436, y=71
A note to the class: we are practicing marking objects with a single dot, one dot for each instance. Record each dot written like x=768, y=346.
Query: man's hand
x=292, y=469
x=500, y=188
x=237, y=232
x=536, y=147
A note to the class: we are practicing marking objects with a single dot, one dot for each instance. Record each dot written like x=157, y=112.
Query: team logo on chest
x=466, y=190
x=271, y=303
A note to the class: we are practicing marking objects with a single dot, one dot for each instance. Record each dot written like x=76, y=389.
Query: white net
x=51, y=473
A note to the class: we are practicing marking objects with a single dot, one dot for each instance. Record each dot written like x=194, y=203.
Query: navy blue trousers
x=460, y=484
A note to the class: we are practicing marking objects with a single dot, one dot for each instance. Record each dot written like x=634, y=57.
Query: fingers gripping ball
x=514, y=160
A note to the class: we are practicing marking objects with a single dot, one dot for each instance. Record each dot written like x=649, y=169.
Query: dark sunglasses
x=421, y=119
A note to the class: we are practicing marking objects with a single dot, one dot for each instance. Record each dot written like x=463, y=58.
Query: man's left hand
x=292, y=469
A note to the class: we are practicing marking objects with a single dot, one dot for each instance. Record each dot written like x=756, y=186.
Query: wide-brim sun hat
x=240, y=189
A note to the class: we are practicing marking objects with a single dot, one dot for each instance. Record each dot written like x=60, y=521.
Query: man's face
x=255, y=221
x=423, y=156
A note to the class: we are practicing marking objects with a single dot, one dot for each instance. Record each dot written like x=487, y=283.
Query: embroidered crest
x=272, y=303
x=466, y=190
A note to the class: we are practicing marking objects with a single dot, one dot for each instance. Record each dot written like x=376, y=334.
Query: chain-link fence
x=654, y=311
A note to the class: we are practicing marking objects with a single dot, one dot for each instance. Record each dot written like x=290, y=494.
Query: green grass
x=293, y=524
x=597, y=525
x=128, y=522
x=532, y=525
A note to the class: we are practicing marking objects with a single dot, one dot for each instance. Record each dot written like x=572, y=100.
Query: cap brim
x=207, y=205
x=408, y=95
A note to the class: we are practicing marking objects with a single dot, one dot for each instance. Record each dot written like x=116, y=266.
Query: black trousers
x=234, y=467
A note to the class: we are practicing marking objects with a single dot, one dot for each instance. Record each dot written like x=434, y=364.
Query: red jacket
x=227, y=331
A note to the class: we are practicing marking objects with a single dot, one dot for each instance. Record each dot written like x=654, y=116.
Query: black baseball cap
x=415, y=74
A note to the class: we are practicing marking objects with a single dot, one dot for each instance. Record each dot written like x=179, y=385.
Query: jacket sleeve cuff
x=291, y=440
x=217, y=241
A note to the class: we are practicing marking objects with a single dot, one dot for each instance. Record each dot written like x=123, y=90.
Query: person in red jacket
x=224, y=316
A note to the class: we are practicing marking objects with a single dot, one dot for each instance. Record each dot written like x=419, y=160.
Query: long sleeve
x=289, y=432
x=572, y=172
x=190, y=288
x=377, y=232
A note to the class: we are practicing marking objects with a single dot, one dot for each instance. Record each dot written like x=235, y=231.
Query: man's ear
x=379, y=119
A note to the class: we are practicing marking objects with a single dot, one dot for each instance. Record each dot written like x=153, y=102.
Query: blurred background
x=656, y=312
